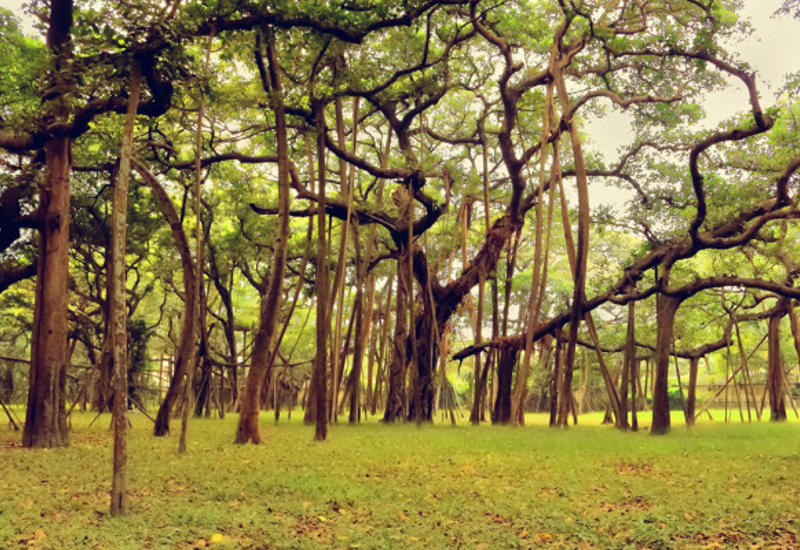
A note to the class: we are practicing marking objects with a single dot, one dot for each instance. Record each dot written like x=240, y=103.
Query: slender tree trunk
x=223, y=288
x=369, y=339
x=555, y=379
x=539, y=273
x=382, y=349
x=748, y=389
x=103, y=385
x=479, y=379
x=628, y=367
x=360, y=336
x=318, y=376
x=635, y=395
x=186, y=346
x=337, y=293
x=581, y=251
x=666, y=308
x=691, y=397
x=203, y=388
x=118, y=319
x=247, y=430
x=199, y=309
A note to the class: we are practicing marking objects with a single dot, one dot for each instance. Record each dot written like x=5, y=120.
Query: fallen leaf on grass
x=401, y=515
x=633, y=468
x=497, y=518
x=543, y=537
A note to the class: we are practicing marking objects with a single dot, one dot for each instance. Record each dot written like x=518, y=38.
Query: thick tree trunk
x=427, y=355
x=507, y=359
x=250, y=405
x=45, y=420
x=666, y=307
x=396, y=392
x=775, y=376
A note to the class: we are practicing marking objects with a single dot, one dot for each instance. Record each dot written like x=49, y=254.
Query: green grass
x=403, y=486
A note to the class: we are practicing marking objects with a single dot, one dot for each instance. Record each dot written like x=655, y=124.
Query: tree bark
x=775, y=376
x=118, y=319
x=360, y=334
x=396, y=392
x=635, y=395
x=666, y=307
x=247, y=430
x=505, y=369
x=556, y=378
x=318, y=376
x=479, y=379
x=186, y=346
x=581, y=251
x=691, y=397
x=45, y=418
x=628, y=368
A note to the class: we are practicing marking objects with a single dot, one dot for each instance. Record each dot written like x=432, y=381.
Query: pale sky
x=773, y=50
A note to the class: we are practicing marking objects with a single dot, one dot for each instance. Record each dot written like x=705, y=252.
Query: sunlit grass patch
x=434, y=486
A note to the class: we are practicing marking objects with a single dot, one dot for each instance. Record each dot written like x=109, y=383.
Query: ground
x=402, y=486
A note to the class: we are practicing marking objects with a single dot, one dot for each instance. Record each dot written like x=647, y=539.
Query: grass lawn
x=403, y=486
